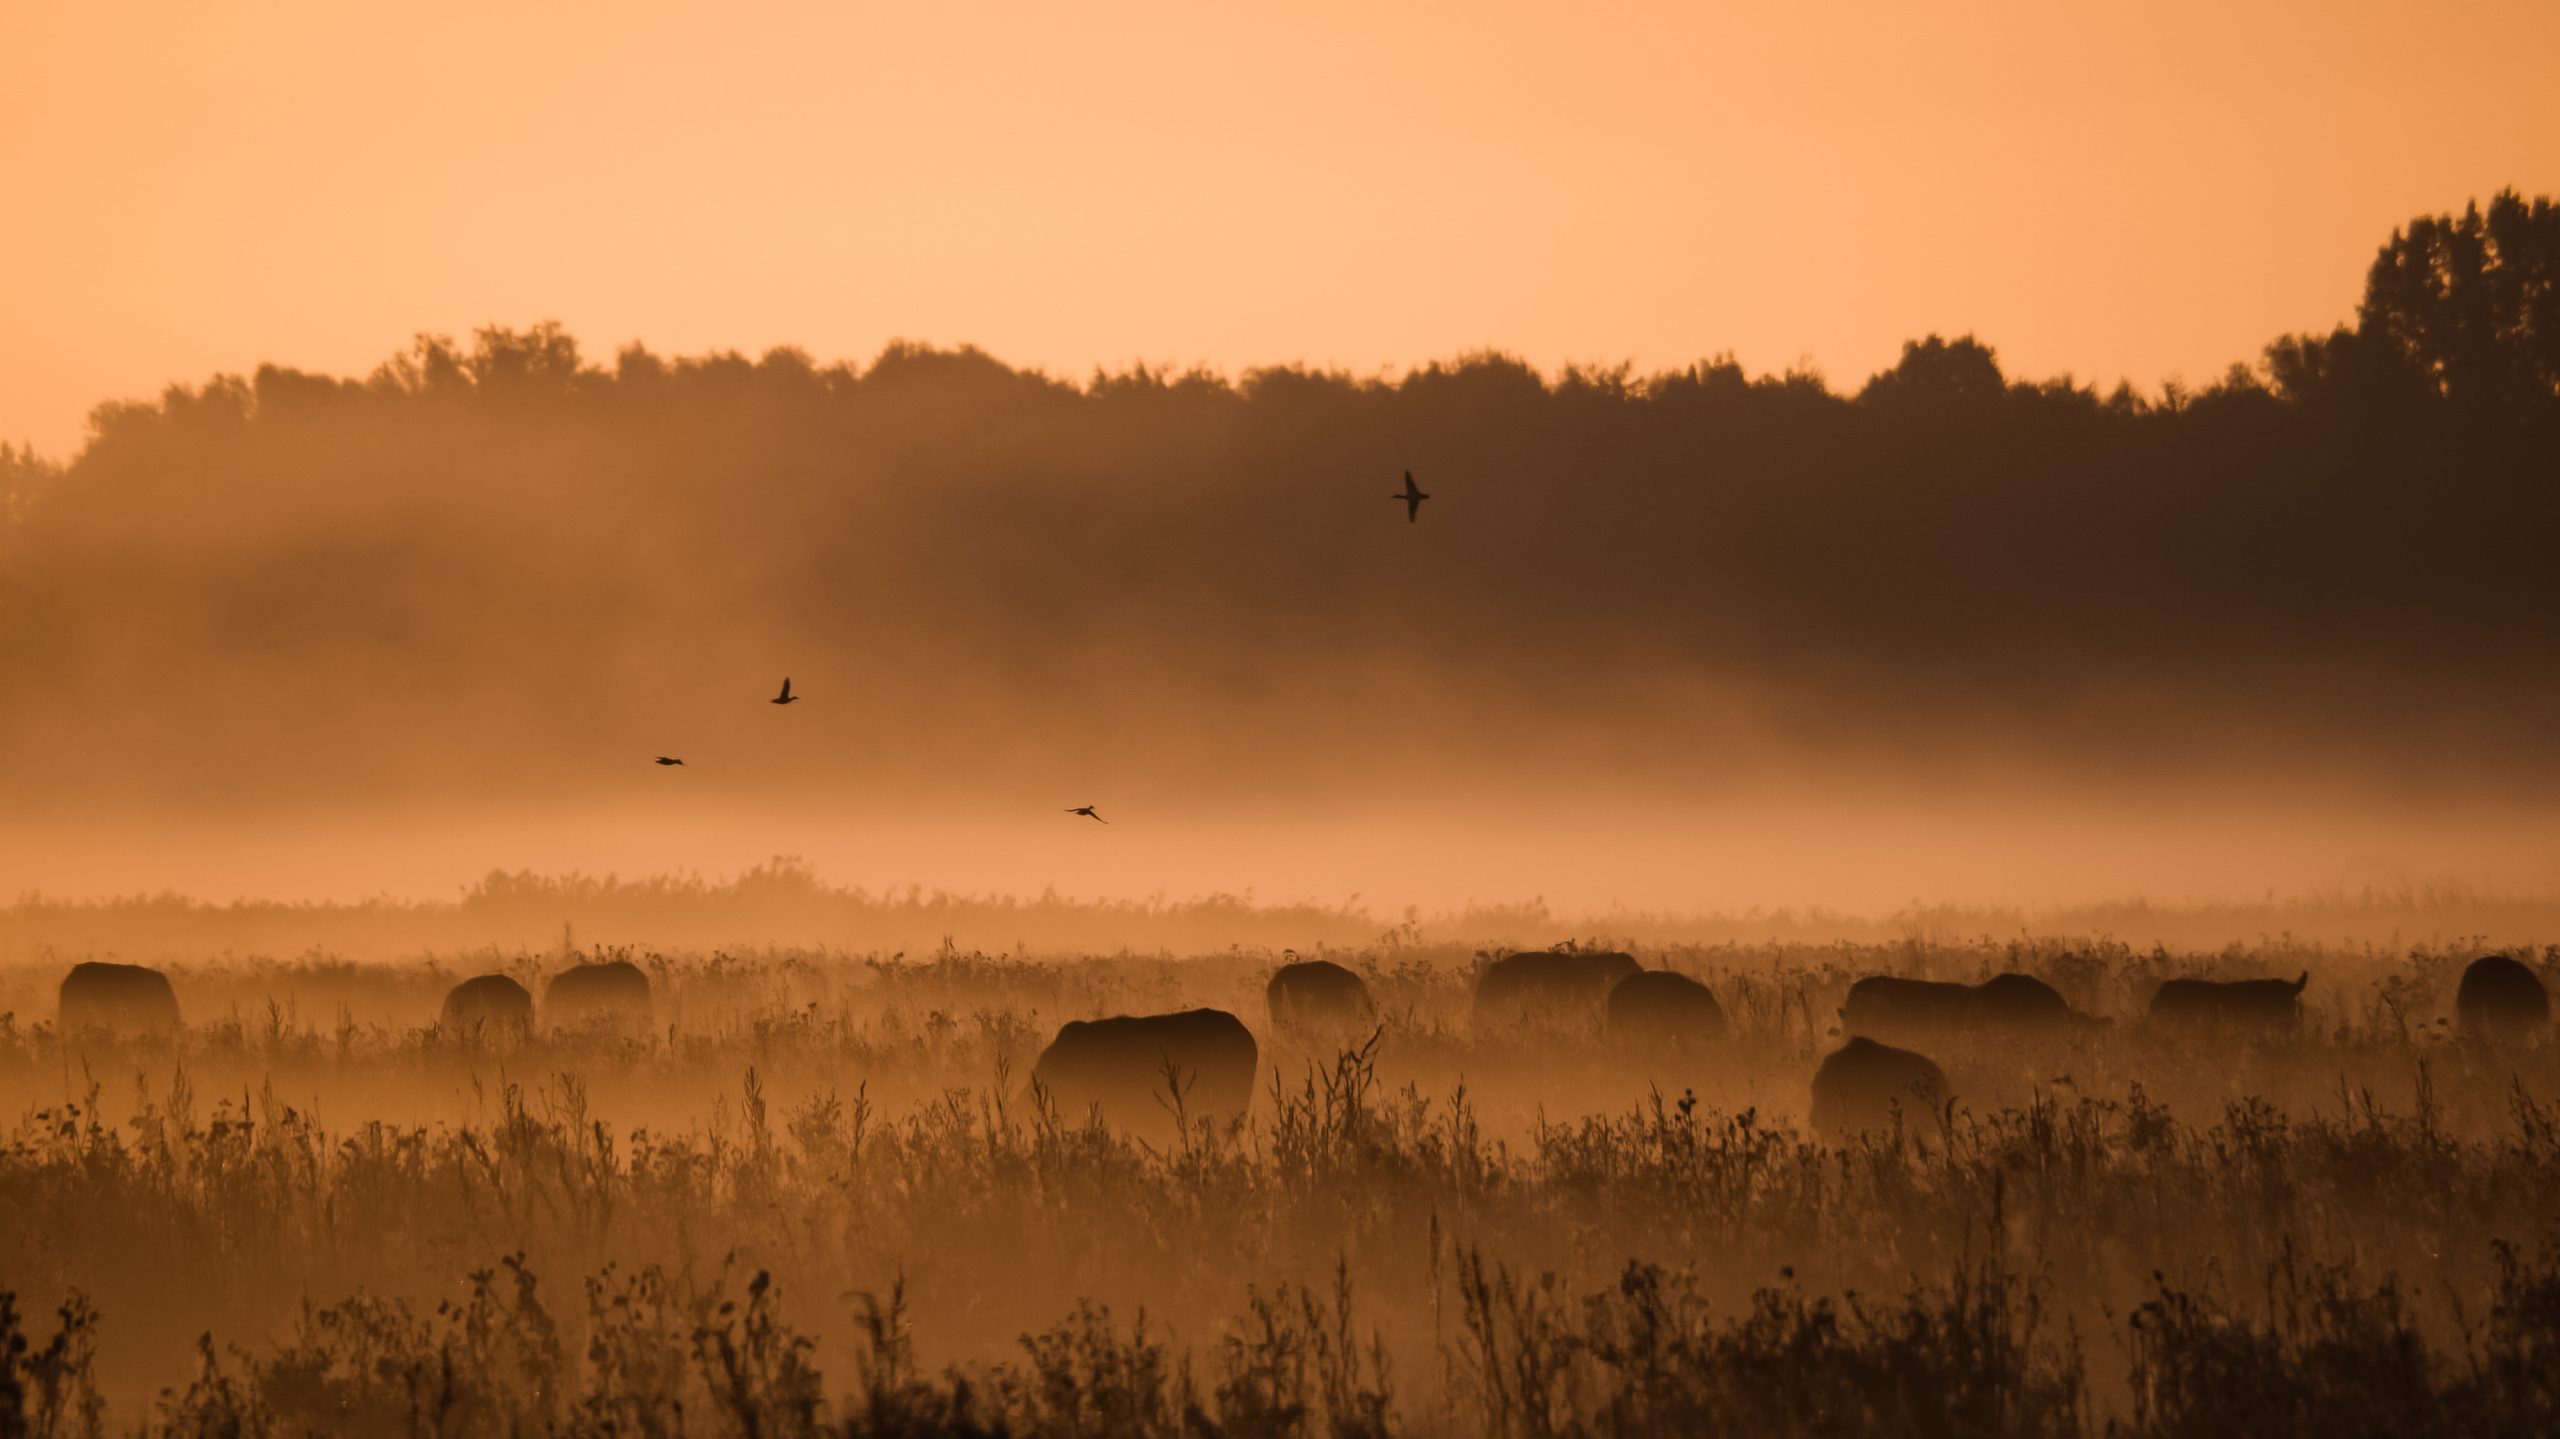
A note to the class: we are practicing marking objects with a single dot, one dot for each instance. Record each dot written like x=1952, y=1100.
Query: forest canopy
x=503, y=567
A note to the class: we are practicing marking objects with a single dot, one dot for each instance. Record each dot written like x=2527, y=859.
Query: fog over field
x=1949, y=903
x=1694, y=639
x=1592, y=863
x=819, y=720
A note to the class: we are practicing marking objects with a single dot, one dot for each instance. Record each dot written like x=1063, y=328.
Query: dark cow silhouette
x=614, y=994
x=1561, y=986
x=1122, y=1064
x=118, y=998
x=2015, y=1000
x=1862, y=1085
x=1317, y=994
x=2501, y=998
x=1658, y=1009
x=488, y=1005
x=2241, y=1003
x=1883, y=1005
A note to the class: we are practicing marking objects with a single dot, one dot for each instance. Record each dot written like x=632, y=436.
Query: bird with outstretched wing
x=1413, y=496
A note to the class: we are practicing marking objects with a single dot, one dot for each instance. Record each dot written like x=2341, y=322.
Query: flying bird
x=662, y=759
x=1087, y=811
x=1412, y=497
x=786, y=697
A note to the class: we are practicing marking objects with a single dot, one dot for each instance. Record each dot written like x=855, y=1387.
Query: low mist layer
x=500, y=575
x=544, y=918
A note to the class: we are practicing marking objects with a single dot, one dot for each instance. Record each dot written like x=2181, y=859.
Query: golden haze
x=2111, y=191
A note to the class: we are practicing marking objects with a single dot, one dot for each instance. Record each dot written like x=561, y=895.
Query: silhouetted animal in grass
x=2015, y=1001
x=614, y=995
x=118, y=998
x=1889, y=1004
x=1131, y=1064
x=489, y=1005
x=786, y=697
x=1315, y=994
x=1863, y=1084
x=2501, y=998
x=1658, y=1010
x=1883, y=1006
x=1412, y=496
x=2238, y=1003
x=1559, y=987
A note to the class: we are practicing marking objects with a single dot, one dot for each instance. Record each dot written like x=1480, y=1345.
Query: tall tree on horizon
x=2472, y=303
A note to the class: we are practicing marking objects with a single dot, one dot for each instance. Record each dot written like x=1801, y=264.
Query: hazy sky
x=2116, y=190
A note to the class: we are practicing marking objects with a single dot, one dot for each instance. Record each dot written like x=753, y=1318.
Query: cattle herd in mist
x=1205, y=1060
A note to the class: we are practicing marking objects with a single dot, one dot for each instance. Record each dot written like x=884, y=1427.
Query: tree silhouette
x=24, y=475
x=1939, y=372
x=2472, y=304
x=289, y=582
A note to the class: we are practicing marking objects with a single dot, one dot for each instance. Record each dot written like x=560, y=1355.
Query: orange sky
x=2118, y=190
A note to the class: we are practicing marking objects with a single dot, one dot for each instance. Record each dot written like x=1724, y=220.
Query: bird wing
x=786, y=686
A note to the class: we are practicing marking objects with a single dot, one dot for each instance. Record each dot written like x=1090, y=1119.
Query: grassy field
x=819, y=1196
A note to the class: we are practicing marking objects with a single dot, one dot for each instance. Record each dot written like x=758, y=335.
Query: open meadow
x=1742, y=720
x=817, y=1193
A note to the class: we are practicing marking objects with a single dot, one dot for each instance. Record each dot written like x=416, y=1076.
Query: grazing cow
x=2239, y=1003
x=2501, y=998
x=118, y=998
x=1884, y=1005
x=2015, y=1001
x=1662, y=1010
x=1564, y=987
x=1862, y=1085
x=1122, y=1064
x=612, y=995
x=1317, y=994
x=491, y=1004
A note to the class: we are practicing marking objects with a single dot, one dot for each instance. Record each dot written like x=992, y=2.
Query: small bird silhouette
x=1412, y=497
x=662, y=759
x=786, y=697
x=1087, y=811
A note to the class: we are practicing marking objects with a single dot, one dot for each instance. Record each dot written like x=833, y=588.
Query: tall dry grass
x=784, y=901
x=818, y=1197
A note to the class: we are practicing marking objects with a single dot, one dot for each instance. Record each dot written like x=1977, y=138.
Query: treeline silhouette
x=503, y=566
